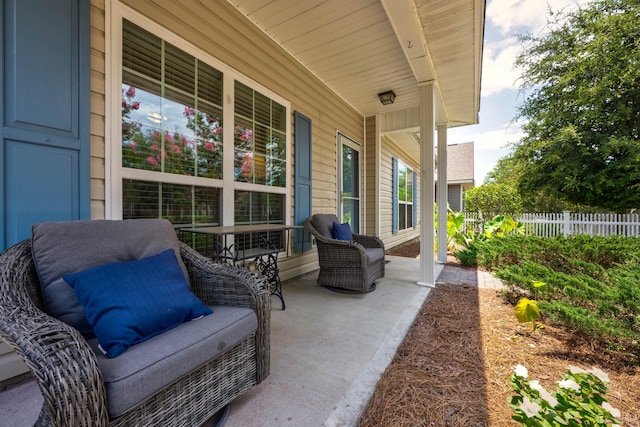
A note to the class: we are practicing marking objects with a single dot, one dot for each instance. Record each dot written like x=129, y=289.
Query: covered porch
x=327, y=60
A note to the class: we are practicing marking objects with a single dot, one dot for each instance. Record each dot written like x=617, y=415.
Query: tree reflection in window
x=259, y=138
x=194, y=150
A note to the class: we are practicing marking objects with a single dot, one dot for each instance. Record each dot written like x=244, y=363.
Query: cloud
x=498, y=139
x=506, y=19
x=489, y=145
x=511, y=16
x=498, y=72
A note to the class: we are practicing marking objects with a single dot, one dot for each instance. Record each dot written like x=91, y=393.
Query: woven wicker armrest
x=62, y=362
x=218, y=283
x=368, y=241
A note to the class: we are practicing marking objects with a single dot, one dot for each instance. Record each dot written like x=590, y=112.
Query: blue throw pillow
x=341, y=231
x=129, y=302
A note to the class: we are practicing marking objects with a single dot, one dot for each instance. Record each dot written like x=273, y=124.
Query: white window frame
x=407, y=204
x=344, y=139
x=115, y=12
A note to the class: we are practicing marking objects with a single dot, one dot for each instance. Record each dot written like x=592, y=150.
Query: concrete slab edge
x=356, y=399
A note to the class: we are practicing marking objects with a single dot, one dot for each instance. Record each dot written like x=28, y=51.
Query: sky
x=499, y=98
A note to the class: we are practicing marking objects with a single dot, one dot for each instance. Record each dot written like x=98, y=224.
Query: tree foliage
x=493, y=199
x=582, y=108
x=508, y=171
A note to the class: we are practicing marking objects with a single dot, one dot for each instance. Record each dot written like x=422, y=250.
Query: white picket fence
x=571, y=223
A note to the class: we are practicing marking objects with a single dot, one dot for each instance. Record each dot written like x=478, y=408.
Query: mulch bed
x=453, y=367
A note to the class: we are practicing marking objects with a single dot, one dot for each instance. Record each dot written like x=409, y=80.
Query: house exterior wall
x=219, y=30
x=454, y=196
x=97, y=129
x=387, y=152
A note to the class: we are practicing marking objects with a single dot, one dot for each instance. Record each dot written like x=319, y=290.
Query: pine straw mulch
x=453, y=367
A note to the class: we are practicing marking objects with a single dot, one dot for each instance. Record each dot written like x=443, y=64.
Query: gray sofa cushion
x=324, y=224
x=61, y=248
x=150, y=366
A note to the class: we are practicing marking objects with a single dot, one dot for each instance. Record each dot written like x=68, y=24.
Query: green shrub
x=593, y=283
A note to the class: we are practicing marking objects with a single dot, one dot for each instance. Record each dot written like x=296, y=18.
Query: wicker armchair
x=348, y=266
x=67, y=370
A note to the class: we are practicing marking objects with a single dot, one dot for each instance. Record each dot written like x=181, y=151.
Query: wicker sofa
x=346, y=265
x=179, y=377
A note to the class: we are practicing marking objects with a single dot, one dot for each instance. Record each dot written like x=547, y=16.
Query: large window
x=173, y=138
x=404, y=203
x=405, y=196
x=259, y=138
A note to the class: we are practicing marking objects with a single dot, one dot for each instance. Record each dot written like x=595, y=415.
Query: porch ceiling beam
x=405, y=21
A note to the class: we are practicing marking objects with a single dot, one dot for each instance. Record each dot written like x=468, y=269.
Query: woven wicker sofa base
x=209, y=388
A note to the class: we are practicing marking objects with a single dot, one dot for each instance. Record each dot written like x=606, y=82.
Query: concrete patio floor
x=327, y=352
x=329, y=349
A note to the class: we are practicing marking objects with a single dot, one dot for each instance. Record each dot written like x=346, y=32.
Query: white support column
x=427, y=184
x=442, y=193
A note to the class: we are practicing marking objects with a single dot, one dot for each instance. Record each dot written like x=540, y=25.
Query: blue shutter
x=415, y=200
x=394, y=195
x=45, y=113
x=302, y=177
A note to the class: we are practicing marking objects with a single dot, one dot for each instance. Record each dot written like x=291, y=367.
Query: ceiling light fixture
x=387, y=98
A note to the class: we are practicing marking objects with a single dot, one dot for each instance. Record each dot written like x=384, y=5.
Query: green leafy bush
x=593, y=283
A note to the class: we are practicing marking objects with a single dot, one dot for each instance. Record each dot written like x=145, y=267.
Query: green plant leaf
x=538, y=284
x=527, y=310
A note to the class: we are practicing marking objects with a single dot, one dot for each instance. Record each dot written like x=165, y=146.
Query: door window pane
x=349, y=182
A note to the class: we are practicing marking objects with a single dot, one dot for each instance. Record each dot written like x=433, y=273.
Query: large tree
x=581, y=79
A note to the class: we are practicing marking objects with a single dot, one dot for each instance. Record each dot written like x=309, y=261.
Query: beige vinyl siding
x=388, y=151
x=97, y=127
x=221, y=31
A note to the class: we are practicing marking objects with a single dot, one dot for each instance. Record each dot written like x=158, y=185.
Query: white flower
x=544, y=394
x=613, y=411
x=576, y=370
x=521, y=371
x=600, y=374
x=530, y=408
x=570, y=384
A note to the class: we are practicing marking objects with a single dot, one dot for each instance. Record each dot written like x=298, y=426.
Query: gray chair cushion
x=324, y=224
x=61, y=248
x=150, y=366
x=374, y=255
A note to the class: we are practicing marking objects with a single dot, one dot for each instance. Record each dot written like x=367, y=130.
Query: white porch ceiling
x=360, y=48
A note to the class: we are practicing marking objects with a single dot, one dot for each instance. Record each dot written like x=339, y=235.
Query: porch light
x=387, y=97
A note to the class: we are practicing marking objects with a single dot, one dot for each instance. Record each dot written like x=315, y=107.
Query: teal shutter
x=302, y=178
x=394, y=195
x=45, y=113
